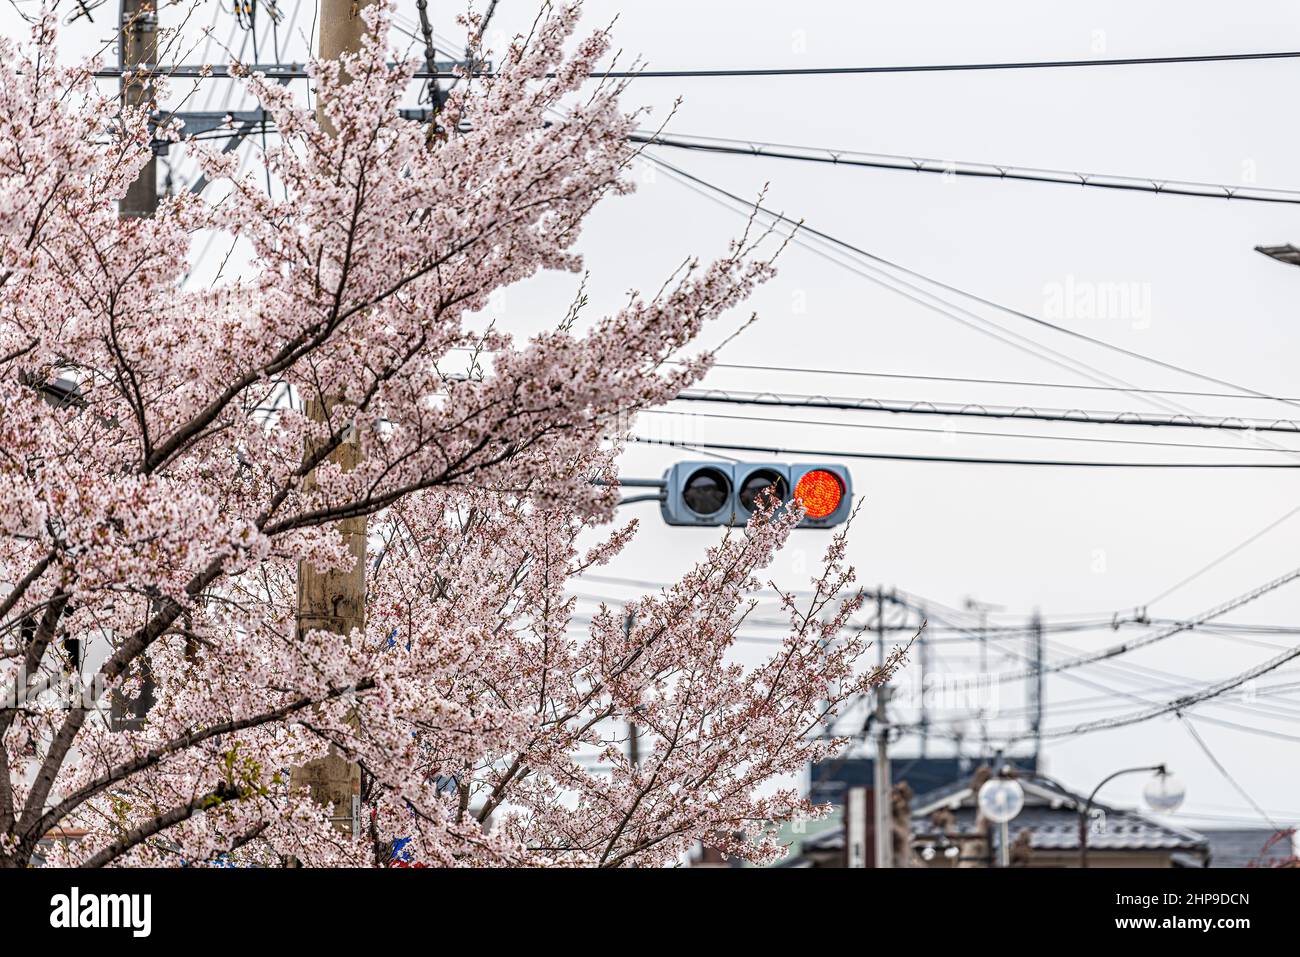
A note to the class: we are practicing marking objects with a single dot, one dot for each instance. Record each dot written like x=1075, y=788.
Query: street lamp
x=1001, y=799
x=1163, y=793
x=1283, y=254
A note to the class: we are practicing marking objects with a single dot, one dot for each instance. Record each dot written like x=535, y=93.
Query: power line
x=963, y=432
x=912, y=292
x=927, y=407
x=1051, y=623
x=1160, y=635
x=1180, y=704
x=916, y=601
x=1224, y=557
x=1107, y=702
x=441, y=74
x=1001, y=171
x=1009, y=310
x=962, y=460
x=1242, y=392
x=1224, y=771
x=931, y=301
x=1143, y=675
x=754, y=367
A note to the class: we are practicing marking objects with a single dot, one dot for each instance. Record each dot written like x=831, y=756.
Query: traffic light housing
x=725, y=493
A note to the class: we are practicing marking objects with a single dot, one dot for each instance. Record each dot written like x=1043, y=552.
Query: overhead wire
x=1152, y=638
x=752, y=72
x=1078, y=416
x=755, y=367
x=1204, y=694
x=1182, y=703
x=764, y=419
x=869, y=267
x=957, y=459
x=962, y=168
x=1009, y=310
x=1227, y=776
x=1223, y=557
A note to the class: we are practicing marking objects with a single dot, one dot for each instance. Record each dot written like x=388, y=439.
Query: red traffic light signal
x=717, y=493
x=819, y=492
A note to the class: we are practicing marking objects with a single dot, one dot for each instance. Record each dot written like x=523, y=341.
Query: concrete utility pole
x=1036, y=688
x=884, y=824
x=855, y=827
x=923, y=652
x=335, y=601
x=633, y=732
x=137, y=47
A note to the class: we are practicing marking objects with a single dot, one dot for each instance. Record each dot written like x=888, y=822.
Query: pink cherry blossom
x=156, y=508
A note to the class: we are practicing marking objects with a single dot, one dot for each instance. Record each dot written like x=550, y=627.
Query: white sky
x=1085, y=542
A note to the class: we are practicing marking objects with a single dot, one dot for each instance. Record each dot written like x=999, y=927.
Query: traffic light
x=726, y=493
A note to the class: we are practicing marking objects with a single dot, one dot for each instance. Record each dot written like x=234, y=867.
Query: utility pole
x=137, y=49
x=1036, y=687
x=983, y=608
x=855, y=827
x=633, y=734
x=924, y=654
x=334, y=601
x=883, y=821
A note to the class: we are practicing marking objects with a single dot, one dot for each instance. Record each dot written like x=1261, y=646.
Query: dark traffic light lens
x=706, y=491
x=759, y=482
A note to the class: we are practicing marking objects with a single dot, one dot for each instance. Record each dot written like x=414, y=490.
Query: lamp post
x=1164, y=792
x=1284, y=254
x=1000, y=800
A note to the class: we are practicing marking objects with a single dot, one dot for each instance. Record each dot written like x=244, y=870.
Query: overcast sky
x=1084, y=543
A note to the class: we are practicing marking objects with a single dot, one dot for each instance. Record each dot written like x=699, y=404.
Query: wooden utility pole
x=334, y=601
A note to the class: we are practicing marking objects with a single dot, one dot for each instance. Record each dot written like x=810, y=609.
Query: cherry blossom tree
x=162, y=482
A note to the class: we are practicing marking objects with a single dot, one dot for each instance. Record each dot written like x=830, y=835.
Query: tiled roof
x=1057, y=829
x=1050, y=816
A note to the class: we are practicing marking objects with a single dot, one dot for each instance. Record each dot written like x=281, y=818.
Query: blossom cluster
x=164, y=486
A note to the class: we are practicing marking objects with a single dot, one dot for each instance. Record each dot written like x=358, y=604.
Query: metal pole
x=1087, y=807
